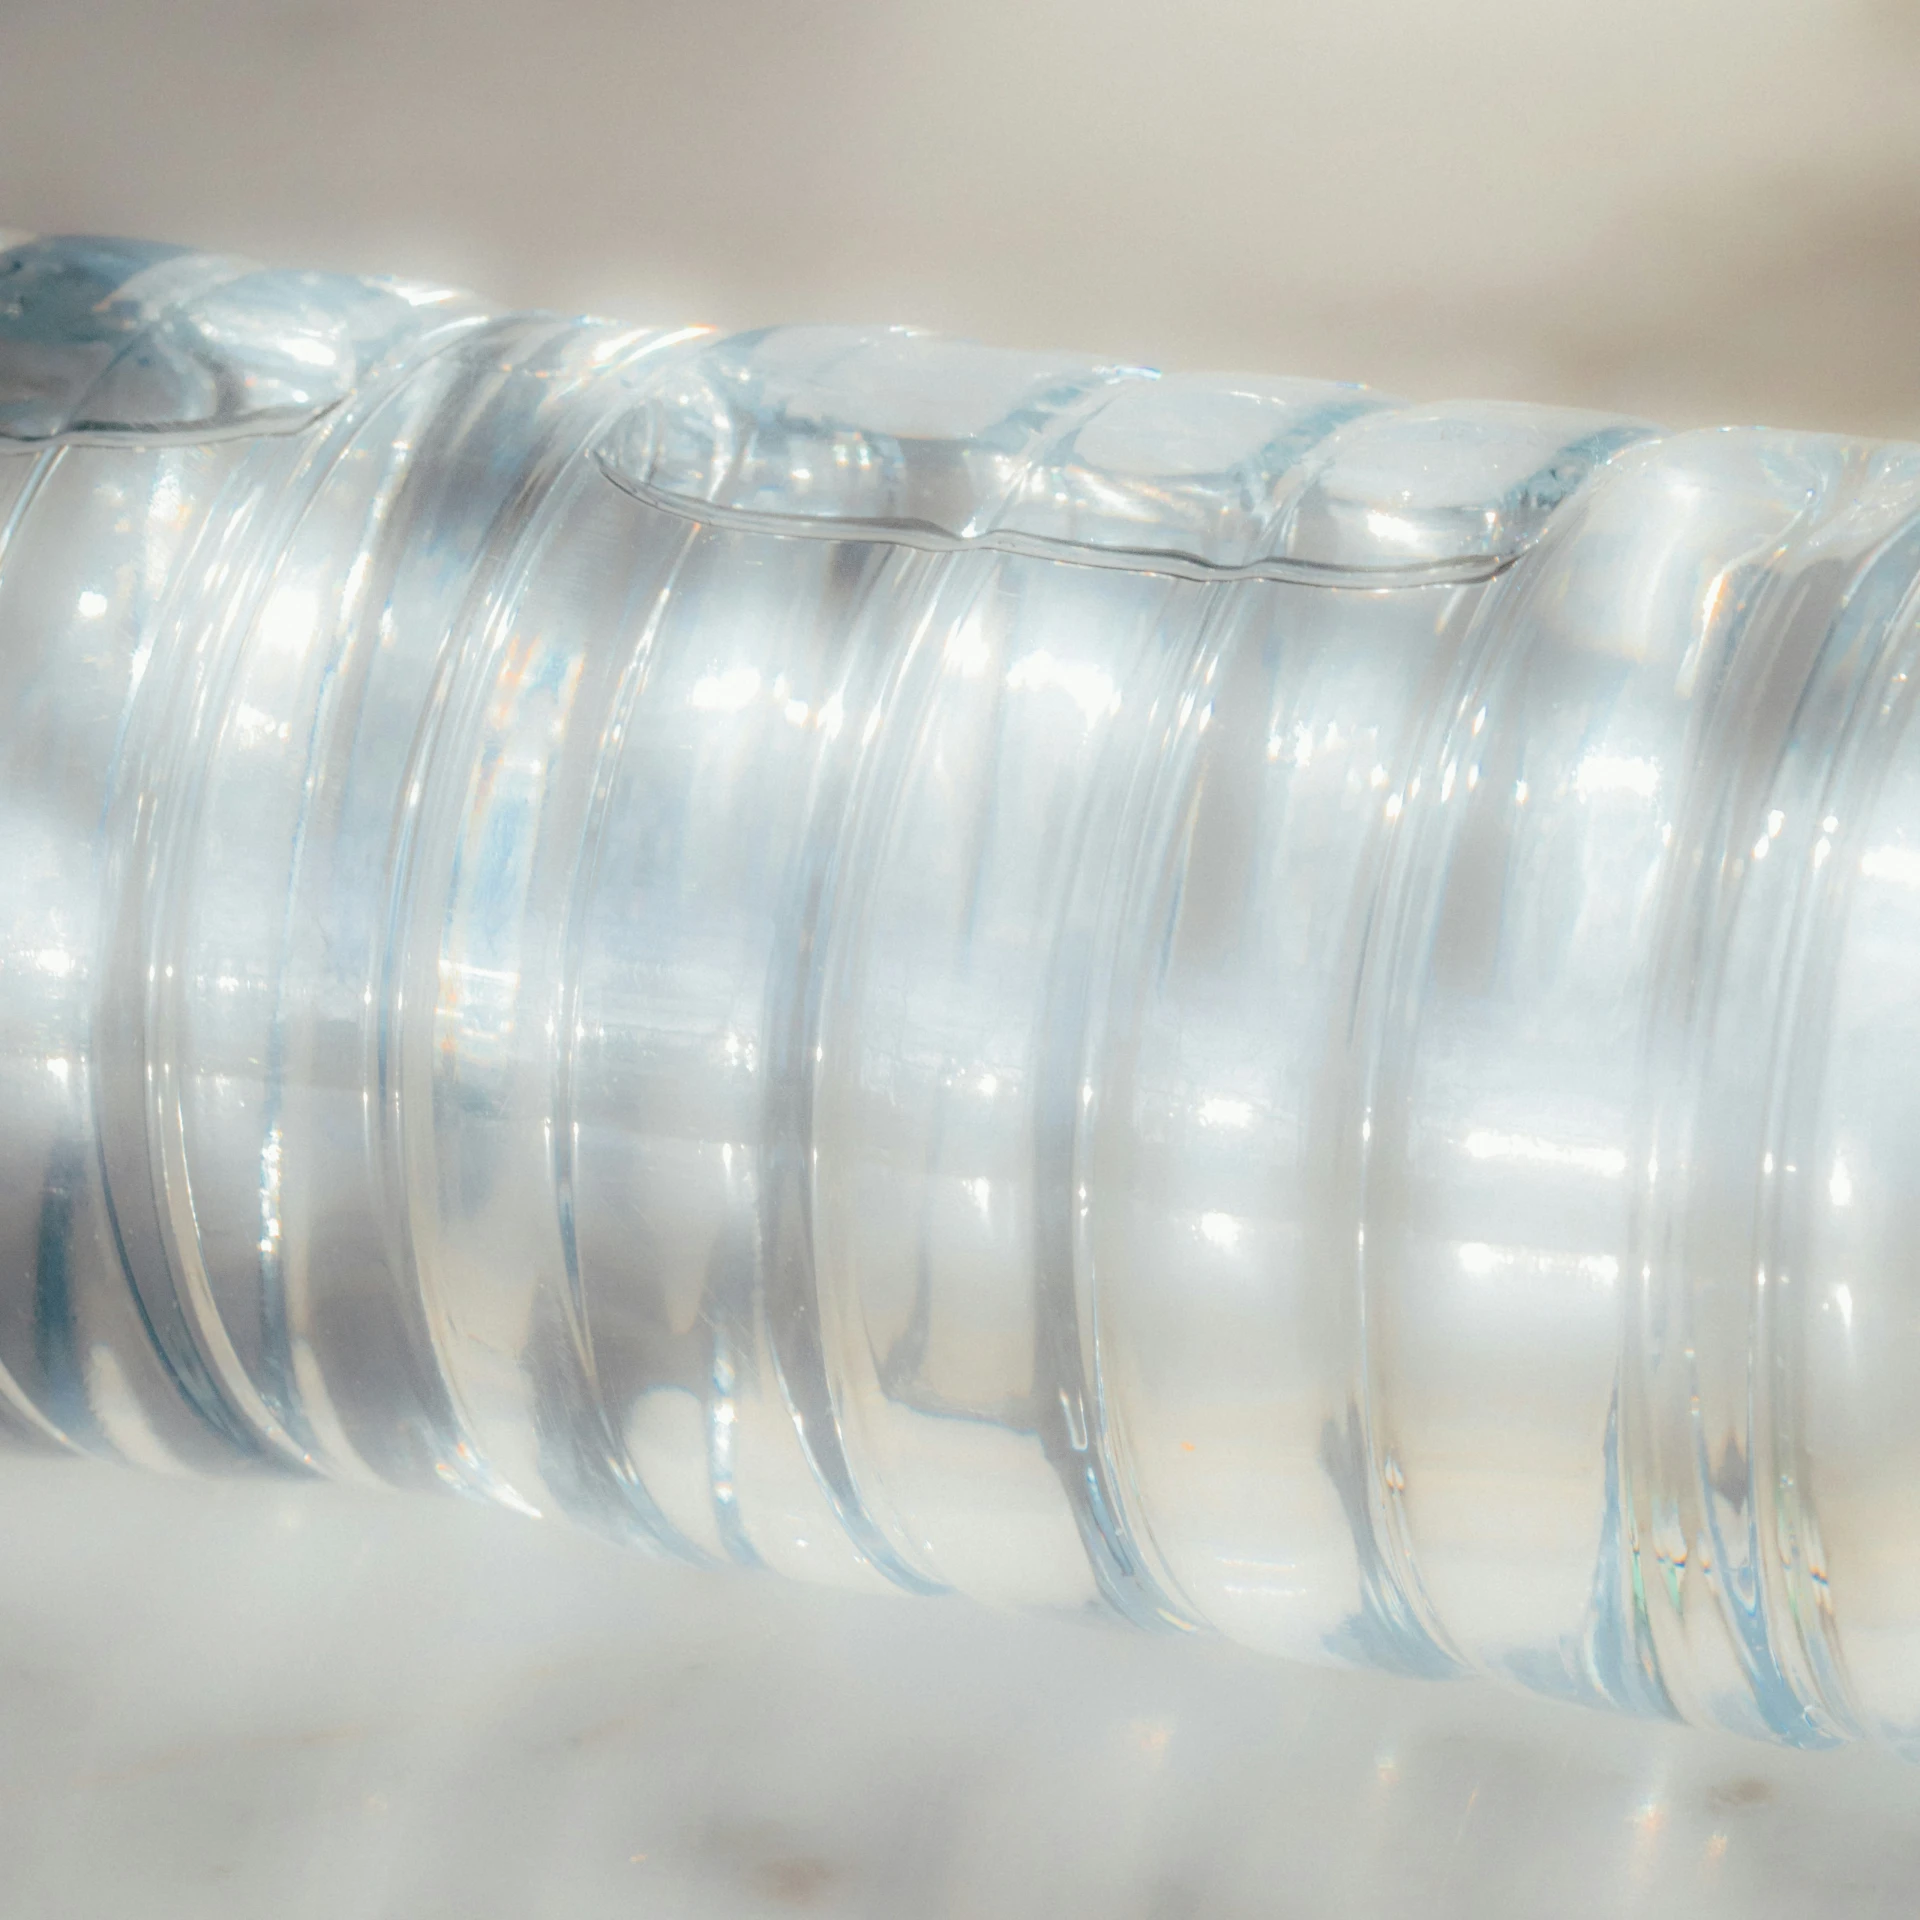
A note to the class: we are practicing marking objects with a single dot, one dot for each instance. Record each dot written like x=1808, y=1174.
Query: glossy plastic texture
x=948, y=969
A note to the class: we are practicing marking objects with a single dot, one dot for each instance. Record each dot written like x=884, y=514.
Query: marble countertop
x=253, y=1697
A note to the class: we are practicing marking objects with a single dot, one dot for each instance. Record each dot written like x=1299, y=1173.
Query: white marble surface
x=259, y=1699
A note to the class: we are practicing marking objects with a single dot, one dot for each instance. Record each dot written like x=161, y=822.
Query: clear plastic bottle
x=936, y=967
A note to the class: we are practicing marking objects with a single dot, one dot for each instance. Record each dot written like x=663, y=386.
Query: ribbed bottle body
x=936, y=969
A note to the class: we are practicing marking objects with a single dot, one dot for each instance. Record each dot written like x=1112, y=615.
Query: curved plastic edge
x=125, y=340
x=901, y=436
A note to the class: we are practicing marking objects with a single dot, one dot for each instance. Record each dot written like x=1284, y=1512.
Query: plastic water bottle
x=943, y=968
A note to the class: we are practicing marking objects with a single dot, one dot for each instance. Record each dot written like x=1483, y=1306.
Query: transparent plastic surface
x=941, y=969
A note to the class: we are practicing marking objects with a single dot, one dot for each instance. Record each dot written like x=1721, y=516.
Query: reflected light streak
x=1092, y=691
x=1220, y=1229
x=1483, y=1262
x=1617, y=773
x=1898, y=864
x=1531, y=1149
x=724, y=692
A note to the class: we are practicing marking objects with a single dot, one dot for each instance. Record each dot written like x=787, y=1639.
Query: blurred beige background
x=1702, y=212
